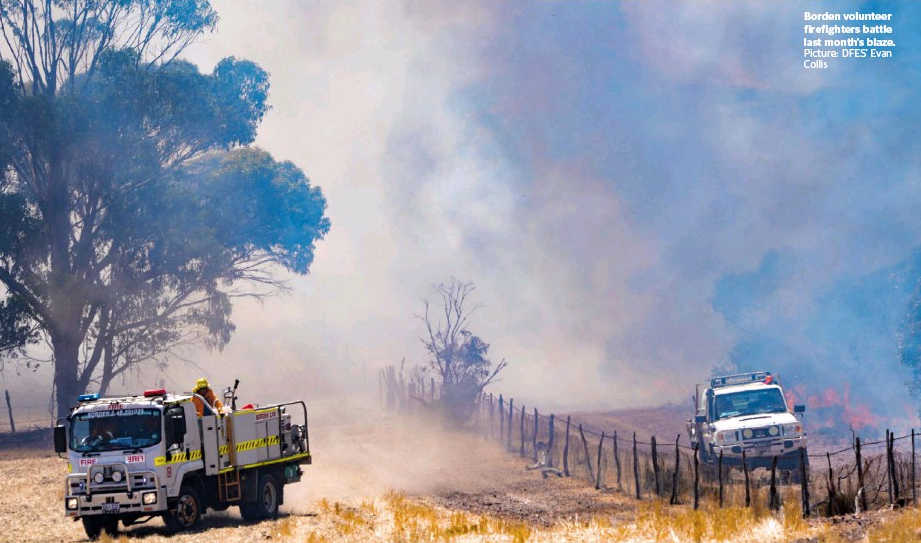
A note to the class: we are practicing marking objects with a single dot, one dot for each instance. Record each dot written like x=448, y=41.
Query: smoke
x=641, y=192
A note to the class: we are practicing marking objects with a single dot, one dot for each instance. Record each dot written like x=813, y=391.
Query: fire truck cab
x=134, y=458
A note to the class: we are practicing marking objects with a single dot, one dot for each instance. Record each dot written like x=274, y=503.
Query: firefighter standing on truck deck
x=203, y=389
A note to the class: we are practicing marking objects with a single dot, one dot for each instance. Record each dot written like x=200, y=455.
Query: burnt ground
x=526, y=496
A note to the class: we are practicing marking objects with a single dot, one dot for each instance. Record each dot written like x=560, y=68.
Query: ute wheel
x=110, y=526
x=187, y=513
x=268, y=496
x=92, y=526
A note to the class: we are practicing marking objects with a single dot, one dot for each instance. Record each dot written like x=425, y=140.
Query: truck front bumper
x=138, y=494
x=139, y=502
x=760, y=453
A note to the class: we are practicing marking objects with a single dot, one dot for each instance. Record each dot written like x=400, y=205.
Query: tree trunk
x=66, y=383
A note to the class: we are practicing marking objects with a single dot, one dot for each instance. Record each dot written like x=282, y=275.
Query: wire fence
x=16, y=416
x=866, y=475
x=863, y=476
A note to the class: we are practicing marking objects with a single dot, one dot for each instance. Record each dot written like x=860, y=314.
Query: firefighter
x=203, y=389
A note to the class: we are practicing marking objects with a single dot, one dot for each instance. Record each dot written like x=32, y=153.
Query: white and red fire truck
x=135, y=458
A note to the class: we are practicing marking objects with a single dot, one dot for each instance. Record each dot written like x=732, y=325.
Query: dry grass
x=31, y=493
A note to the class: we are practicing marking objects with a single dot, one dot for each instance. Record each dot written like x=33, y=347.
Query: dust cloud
x=360, y=453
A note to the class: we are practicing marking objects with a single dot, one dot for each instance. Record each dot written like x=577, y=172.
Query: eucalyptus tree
x=132, y=208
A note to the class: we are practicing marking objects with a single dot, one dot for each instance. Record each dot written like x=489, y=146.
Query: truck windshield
x=115, y=429
x=750, y=402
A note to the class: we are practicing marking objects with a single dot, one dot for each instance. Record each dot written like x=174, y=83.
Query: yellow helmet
x=200, y=384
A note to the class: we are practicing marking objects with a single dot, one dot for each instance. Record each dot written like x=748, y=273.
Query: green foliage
x=131, y=210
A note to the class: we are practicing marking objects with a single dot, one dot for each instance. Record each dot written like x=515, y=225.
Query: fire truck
x=747, y=413
x=134, y=458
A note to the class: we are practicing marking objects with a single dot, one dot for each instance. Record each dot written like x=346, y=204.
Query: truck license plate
x=110, y=508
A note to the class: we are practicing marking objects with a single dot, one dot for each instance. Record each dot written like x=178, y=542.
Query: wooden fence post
x=674, y=498
x=588, y=459
x=566, y=449
x=9, y=409
x=748, y=491
x=655, y=466
x=895, y=473
x=636, y=468
x=550, y=441
x=521, y=450
x=861, y=491
x=914, y=492
x=402, y=394
x=831, y=487
x=501, y=419
x=534, y=437
x=805, y=482
x=491, y=416
x=720, y=467
x=696, y=477
x=617, y=460
x=598, y=467
x=888, y=467
x=774, y=498
x=511, y=412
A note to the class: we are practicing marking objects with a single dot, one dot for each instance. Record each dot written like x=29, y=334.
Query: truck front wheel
x=187, y=513
x=94, y=525
x=268, y=496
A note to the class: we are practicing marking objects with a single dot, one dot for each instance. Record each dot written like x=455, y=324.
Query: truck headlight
x=149, y=498
x=99, y=477
x=727, y=436
x=794, y=429
x=117, y=476
x=71, y=504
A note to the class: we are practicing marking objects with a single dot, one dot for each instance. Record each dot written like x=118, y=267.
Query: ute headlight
x=795, y=429
x=747, y=433
x=149, y=498
x=99, y=477
x=117, y=476
x=71, y=504
x=727, y=436
x=773, y=431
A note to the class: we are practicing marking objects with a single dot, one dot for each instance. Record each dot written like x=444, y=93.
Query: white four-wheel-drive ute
x=747, y=413
x=134, y=458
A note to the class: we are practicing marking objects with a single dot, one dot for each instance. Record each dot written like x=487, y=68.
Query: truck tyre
x=110, y=526
x=187, y=513
x=268, y=496
x=92, y=526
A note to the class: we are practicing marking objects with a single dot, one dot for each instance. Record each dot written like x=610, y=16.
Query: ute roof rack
x=740, y=379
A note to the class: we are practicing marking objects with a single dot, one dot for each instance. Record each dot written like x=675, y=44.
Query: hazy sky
x=640, y=191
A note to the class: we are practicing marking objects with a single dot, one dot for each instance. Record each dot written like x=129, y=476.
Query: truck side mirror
x=60, y=439
x=700, y=419
x=799, y=408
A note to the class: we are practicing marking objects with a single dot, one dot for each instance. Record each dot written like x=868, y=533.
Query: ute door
x=210, y=446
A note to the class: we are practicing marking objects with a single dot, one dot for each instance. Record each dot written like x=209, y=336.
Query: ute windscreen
x=115, y=429
x=750, y=402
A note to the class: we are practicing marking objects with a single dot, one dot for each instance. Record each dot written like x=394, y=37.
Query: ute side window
x=175, y=426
